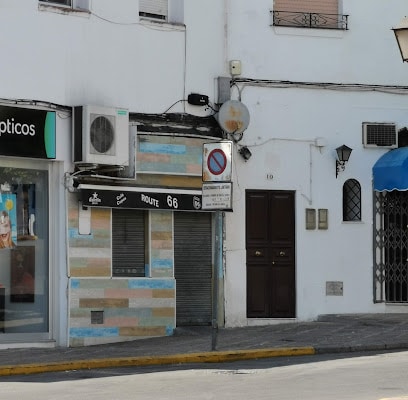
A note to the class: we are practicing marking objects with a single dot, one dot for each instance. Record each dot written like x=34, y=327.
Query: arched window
x=351, y=200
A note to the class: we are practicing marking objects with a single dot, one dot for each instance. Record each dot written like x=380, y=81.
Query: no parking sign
x=217, y=162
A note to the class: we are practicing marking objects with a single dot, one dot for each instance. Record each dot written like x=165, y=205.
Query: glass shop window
x=23, y=250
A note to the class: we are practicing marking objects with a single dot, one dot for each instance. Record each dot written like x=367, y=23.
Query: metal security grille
x=309, y=20
x=351, y=200
x=390, y=246
x=128, y=242
x=193, y=268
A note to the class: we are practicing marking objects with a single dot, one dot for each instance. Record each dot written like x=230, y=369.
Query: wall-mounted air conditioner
x=82, y=5
x=382, y=135
x=100, y=135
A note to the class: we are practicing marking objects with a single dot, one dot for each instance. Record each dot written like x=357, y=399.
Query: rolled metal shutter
x=128, y=242
x=193, y=268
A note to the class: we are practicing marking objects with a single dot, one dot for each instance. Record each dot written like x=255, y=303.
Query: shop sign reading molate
x=27, y=132
x=141, y=198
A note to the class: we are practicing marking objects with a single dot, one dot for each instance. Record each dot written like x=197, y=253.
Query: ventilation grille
x=156, y=9
x=380, y=135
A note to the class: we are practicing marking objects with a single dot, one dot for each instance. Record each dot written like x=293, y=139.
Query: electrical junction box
x=235, y=67
x=196, y=99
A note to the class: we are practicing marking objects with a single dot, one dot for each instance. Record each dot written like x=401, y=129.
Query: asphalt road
x=362, y=376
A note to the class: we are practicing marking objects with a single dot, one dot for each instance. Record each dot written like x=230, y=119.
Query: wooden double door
x=270, y=249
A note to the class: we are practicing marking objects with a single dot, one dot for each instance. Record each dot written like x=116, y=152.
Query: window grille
x=128, y=242
x=351, y=200
x=317, y=14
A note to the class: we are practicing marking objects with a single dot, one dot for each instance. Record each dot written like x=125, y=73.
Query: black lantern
x=343, y=155
x=401, y=34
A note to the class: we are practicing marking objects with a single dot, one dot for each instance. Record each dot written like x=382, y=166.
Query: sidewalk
x=329, y=334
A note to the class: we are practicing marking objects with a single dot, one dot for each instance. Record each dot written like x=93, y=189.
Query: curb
x=361, y=348
x=204, y=357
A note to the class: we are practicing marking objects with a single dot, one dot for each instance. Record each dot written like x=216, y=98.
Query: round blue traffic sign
x=217, y=162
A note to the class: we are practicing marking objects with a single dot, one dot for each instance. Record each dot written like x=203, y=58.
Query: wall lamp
x=343, y=155
x=401, y=34
x=245, y=153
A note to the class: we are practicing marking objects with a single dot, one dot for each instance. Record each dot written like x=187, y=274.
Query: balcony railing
x=310, y=20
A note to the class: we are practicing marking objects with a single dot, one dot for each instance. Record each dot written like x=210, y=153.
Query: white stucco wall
x=109, y=57
x=285, y=122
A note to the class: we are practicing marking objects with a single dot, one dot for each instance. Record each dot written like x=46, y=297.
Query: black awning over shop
x=140, y=198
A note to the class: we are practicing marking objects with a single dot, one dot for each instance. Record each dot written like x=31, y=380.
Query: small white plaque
x=217, y=196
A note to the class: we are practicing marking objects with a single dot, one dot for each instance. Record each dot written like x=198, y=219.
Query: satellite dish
x=233, y=117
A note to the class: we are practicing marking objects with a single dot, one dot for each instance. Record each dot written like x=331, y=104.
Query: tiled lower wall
x=131, y=309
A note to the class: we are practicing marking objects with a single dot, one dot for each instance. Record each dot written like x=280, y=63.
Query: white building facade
x=89, y=89
x=305, y=238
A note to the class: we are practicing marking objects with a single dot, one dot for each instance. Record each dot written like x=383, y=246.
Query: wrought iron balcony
x=310, y=20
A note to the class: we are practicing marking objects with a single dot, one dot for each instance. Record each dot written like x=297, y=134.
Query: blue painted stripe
x=93, y=332
x=75, y=283
x=74, y=234
x=169, y=330
x=162, y=148
x=151, y=284
x=162, y=263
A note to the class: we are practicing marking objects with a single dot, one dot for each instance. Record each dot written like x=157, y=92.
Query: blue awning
x=390, y=172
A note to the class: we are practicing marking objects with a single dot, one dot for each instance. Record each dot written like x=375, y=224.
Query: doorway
x=270, y=249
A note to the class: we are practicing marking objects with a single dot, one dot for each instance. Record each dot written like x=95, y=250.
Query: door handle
x=282, y=253
x=258, y=253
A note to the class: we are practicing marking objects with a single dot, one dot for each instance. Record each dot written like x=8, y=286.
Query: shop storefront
x=141, y=250
x=27, y=168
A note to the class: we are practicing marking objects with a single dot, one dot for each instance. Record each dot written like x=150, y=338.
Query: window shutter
x=153, y=8
x=128, y=242
x=311, y=6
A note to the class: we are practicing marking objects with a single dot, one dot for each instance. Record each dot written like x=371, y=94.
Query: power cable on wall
x=393, y=89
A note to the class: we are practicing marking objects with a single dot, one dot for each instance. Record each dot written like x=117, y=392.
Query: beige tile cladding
x=103, y=303
x=89, y=255
x=132, y=308
x=143, y=331
x=161, y=228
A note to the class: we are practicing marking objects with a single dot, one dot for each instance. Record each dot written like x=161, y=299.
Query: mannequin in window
x=6, y=241
x=23, y=281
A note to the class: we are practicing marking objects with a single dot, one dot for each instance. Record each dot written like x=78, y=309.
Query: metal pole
x=217, y=268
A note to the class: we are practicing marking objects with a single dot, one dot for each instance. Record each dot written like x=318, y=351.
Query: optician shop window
x=24, y=274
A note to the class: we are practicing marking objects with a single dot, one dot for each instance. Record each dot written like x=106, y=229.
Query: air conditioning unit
x=100, y=135
x=376, y=135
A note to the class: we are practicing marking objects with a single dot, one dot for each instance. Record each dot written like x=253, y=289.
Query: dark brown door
x=270, y=249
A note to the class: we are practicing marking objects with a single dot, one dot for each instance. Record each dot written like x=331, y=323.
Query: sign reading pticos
x=26, y=132
x=16, y=128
